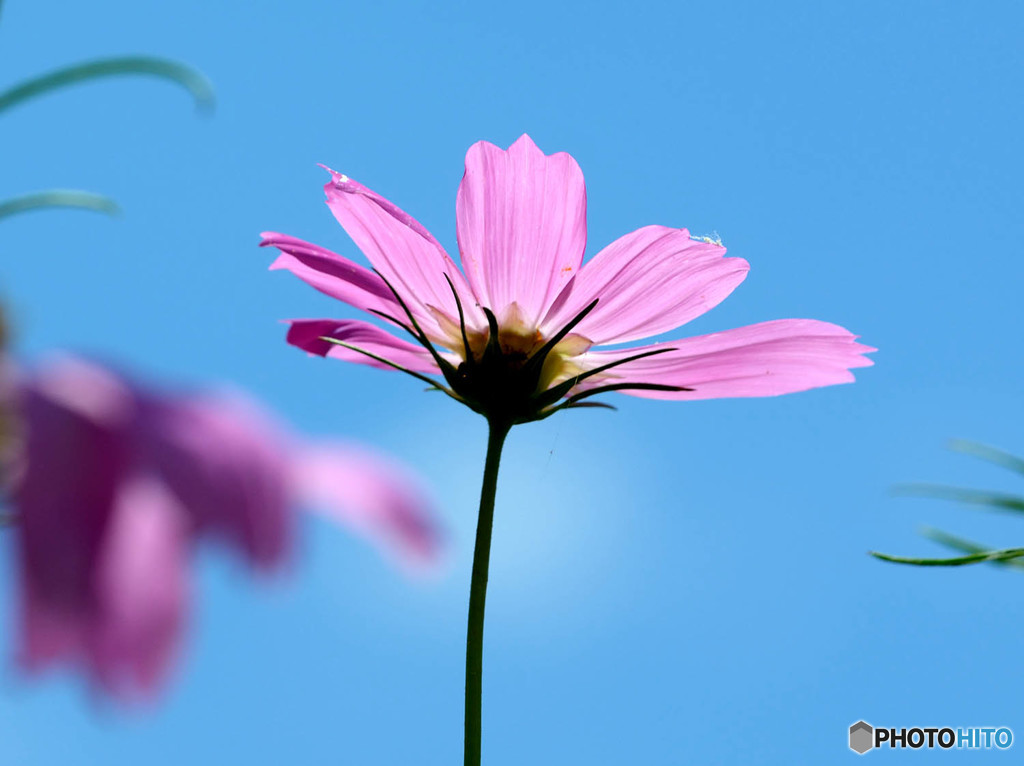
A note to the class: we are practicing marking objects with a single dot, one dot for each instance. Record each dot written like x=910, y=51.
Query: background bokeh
x=672, y=583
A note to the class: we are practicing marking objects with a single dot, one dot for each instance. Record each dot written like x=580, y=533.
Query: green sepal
x=419, y=376
x=621, y=387
x=467, y=352
x=553, y=394
x=601, y=405
x=536, y=362
x=493, y=343
x=417, y=332
x=574, y=402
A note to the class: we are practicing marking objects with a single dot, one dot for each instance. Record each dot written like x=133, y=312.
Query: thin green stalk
x=498, y=430
x=191, y=79
x=73, y=198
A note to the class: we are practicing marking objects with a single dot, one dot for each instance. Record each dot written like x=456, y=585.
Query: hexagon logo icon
x=862, y=737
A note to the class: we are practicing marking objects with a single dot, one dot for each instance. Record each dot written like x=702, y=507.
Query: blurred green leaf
x=960, y=544
x=999, y=500
x=191, y=79
x=974, y=558
x=991, y=454
x=966, y=546
x=974, y=553
x=66, y=198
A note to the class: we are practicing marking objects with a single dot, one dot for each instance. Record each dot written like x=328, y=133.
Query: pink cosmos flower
x=518, y=335
x=115, y=484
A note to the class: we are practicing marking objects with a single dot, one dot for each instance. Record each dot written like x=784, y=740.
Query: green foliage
x=187, y=77
x=971, y=552
x=51, y=198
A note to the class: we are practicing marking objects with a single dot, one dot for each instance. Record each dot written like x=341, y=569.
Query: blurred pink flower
x=114, y=485
x=522, y=324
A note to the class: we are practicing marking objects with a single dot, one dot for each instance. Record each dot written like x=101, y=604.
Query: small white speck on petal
x=714, y=239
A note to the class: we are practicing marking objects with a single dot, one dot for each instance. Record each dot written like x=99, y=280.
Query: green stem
x=498, y=430
x=193, y=80
x=73, y=198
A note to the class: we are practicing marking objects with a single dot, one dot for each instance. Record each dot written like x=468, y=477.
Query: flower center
x=512, y=372
x=501, y=376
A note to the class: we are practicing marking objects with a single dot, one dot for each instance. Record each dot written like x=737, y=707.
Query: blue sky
x=672, y=583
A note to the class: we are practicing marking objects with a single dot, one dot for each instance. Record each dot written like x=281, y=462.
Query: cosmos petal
x=307, y=333
x=112, y=484
x=76, y=452
x=331, y=274
x=401, y=249
x=646, y=283
x=371, y=494
x=143, y=590
x=227, y=464
x=767, y=359
x=521, y=219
